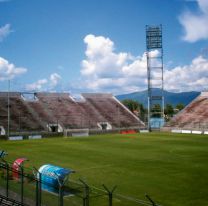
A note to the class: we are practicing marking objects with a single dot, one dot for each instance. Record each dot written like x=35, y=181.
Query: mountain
x=170, y=97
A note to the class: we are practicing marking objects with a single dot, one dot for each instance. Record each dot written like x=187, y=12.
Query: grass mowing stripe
x=172, y=168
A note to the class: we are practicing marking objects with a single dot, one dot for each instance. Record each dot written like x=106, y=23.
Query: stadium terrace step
x=6, y=201
x=193, y=116
x=60, y=109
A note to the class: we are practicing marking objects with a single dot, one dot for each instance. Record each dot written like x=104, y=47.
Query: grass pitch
x=171, y=168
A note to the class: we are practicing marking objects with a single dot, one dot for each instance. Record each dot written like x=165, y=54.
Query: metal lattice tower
x=154, y=51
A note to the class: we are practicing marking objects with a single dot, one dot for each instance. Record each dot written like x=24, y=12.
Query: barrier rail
x=28, y=189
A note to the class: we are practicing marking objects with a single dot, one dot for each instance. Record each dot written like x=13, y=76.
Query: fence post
x=110, y=194
x=22, y=182
x=148, y=197
x=40, y=188
x=7, y=179
x=61, y=183
x=36, y=191
x=86, y=198
x=37, y=176
x=6, y=164
x=61, y=195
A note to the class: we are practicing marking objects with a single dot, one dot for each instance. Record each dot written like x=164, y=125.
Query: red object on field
x=16, y=168
x=128, y=132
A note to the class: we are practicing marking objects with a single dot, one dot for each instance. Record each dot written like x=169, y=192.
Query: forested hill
x=170, y=97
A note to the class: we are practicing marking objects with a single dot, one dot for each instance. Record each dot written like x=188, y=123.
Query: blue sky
x=99, y=46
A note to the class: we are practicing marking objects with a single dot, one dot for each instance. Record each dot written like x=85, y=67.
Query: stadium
x=59, y=150
x=97, y=136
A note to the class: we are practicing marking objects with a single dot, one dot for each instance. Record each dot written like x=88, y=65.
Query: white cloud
x=5, y=31
x=195, y=24
x=9, y=70
x=193, y=77
x=54, y=79
x=45, y=84
x=100, y=54
x=37, y=86
x=104, y=70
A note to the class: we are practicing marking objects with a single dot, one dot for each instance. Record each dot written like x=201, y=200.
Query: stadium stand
x=55, y=112
x=20, y=114
x=111, y=110
x=193, y=116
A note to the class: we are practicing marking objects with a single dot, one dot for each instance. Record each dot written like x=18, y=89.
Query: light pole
x=118, y=118
x=8, y=109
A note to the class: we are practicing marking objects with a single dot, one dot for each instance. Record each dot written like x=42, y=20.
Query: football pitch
x=171, y=168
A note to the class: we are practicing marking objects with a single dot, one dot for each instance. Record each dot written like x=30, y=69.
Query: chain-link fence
x=25, y=185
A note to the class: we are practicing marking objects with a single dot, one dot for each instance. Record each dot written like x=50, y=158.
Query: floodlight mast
x=154, y=52
x=8, y=110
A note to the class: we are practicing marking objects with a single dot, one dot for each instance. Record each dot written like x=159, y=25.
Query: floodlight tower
x=154, y=51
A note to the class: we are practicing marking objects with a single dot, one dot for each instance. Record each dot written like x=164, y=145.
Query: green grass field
x=171, y=168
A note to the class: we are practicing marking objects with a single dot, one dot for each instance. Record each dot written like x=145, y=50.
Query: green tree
x=132, y=105
x=143, y=113
x=179, y=106
x=169, y=110
x=156, y=110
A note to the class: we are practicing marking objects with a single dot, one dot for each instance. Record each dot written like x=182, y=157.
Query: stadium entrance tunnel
x=29, y=96
x=104, y=125
x=54, y=128
x=2, y=130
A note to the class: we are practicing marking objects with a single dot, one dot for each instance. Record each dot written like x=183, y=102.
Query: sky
x=79, y=46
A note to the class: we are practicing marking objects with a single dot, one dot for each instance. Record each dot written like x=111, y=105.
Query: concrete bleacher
x=62, y=111
x=192, y=117
x=20, y=115
x=111, y=110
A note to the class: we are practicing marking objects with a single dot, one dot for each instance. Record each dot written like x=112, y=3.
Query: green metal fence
x=27, y=189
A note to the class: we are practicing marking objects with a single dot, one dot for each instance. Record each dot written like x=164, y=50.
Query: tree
x=156, y=110
x=169, y=111
x=136, y=108
x=143, y=113
x=132, y=105
x=179, y=106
